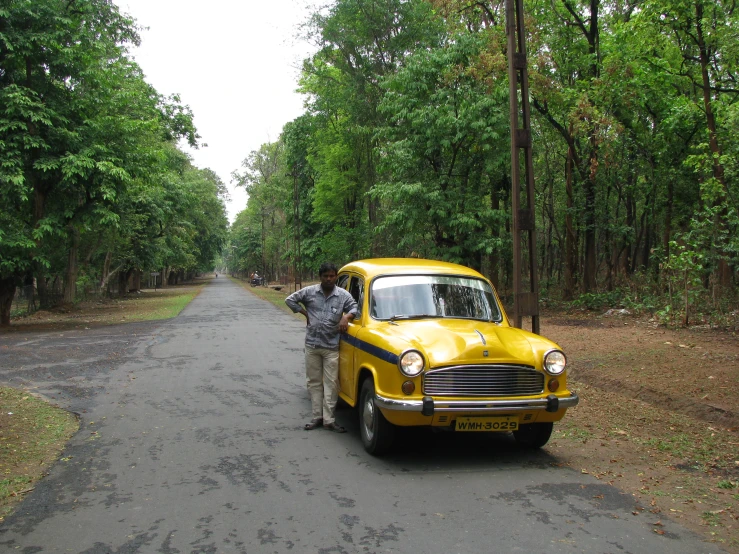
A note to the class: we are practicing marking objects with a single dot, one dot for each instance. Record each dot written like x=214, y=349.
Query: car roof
x=383, y=266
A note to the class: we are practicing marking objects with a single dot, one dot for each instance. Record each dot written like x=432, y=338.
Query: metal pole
x=296, y=219
x=525, y=303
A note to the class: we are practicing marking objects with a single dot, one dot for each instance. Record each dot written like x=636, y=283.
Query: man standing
x=327, y=310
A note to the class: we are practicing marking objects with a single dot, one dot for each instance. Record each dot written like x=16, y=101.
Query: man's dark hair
x=326, y=267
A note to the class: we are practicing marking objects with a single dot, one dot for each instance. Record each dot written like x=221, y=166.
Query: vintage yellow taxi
x=432, y=346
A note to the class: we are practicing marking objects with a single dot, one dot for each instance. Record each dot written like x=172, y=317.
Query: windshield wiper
x=414, y=316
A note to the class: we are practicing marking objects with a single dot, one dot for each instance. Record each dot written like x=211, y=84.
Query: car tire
x=376, y=431
x=533, y=435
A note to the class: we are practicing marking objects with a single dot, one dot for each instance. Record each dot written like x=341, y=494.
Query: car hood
x=454, y=341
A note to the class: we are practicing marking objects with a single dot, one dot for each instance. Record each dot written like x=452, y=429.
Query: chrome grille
x=484, y=380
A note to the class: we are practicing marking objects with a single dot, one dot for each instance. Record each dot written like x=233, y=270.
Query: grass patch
x=704, y=451
x=711, y=518
x=144, y=306
x=568, y=430
x=163, y=307
x=276, y=297
x=32, y=435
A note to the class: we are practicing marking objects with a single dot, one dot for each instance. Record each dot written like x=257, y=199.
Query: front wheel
x=377, y=432
x=534, y=435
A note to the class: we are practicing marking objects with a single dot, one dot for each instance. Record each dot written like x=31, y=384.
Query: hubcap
x=368, y=418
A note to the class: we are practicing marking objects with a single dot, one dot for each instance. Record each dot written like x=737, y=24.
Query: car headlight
x=411, y=363
x=555, y=362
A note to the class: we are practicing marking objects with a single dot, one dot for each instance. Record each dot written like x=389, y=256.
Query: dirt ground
x=658, y=415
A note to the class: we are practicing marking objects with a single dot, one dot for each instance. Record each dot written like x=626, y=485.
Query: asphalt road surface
x=192, y=442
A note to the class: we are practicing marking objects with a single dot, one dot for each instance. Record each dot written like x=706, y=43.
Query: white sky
x=234, y=62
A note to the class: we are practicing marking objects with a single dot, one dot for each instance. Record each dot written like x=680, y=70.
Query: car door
x=347, y=372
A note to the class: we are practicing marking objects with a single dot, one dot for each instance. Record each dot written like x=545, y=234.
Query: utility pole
x=525, y=302
x=264, y=259
x=297, y=269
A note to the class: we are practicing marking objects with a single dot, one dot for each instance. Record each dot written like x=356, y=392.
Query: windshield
x=414, y=296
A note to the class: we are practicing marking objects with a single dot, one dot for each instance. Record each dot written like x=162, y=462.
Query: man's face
x=328, y=279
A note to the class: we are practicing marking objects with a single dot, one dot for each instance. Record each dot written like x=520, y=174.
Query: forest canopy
x=404, y=150
x=92, y=184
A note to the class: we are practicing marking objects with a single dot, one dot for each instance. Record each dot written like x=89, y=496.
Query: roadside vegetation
x=145, y=305
x=270, y=294
x=404, y=150
x=95, y=194
x=33, y=433
x=675, y=466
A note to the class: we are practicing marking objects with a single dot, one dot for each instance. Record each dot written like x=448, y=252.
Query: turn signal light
x=408, y=387
x=553, y=385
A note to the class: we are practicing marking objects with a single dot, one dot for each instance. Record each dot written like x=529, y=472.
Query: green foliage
x=404, y=147
x=86, y=153
x=599, y=301
x=445, y=143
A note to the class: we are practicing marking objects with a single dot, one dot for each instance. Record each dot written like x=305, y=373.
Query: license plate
x=489, y=423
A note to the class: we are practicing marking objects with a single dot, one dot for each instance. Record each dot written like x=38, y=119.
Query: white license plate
x=487, y=423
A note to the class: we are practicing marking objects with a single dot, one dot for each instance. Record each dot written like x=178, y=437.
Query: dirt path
x=658, y=418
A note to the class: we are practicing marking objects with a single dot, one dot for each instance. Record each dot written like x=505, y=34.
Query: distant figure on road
x=328, y=310
x=256, y=280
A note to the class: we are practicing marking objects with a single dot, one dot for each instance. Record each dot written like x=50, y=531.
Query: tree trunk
x=667, y=232
x=570, y=266
x=70, y=279
x=589, y=282
x=495, y=231
x=41, y=285
x=591, y=267
x=123, y=282
x=649, y=210
x=7, y=292
x=39, y=201
x=723, y=271
x=106, y=269
x=136, y=279
x=686, y=319
x=718, y=168
x=549, y=226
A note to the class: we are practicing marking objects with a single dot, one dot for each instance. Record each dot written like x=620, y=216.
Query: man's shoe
x=317, y=422
x=335, y=427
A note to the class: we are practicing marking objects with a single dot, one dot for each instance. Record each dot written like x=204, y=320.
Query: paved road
x=192, y=442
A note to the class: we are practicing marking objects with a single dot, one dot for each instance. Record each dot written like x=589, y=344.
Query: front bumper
x=429, y=406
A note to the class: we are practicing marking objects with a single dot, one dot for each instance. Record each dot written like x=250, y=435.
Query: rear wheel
x=534, y=435
x=377, y=432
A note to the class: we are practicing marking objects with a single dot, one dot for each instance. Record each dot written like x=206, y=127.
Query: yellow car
x=432, y=346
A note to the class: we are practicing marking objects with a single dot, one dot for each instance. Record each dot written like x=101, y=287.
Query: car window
x=342, y=280
x=398, y=296
x=356, y=289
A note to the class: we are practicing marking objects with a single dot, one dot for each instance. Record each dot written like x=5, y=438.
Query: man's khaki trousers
x=322, y=372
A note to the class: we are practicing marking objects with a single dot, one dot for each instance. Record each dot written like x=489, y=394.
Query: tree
x=696, y=44
x=265, y=177
x=361, y=42
x=444, y=150
x=81, y=138
x=51, y=53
